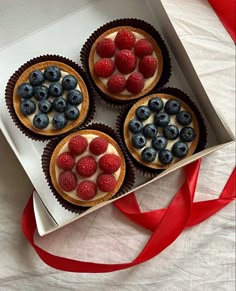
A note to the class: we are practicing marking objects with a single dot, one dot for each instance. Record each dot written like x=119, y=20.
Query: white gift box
x=66, y=38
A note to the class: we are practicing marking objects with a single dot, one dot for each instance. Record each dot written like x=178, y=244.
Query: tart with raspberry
x=87, y=167
x=126, y=61
x=161, y=129
x=49, y=96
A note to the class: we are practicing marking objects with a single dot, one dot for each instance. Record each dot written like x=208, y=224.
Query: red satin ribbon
x=226, y=10
x=181, y=213
x=200, y=210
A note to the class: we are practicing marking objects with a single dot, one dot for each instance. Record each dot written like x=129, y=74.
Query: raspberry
x=125, y=61
x=77, y=145
x=86, y=166
x=106, y=182
x=109, y=163
x=106, y=48
x=116, y=83
x=86, y=190
x=125, y=39
x=148, y=66
x=98, y=146
x=67, y=181
x=143, y=48
x=104, y=67
x=65, y=161
x=135, y=83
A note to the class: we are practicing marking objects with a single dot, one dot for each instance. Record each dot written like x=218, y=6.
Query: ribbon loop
x=181, y=213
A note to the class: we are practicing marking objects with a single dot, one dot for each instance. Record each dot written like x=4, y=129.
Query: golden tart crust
x=127, y=136
x=101, y=198
x=70, y=125
x=120, y=97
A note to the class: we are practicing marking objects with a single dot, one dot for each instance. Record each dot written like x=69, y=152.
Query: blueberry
x=72, y=112
x=187, y=134
x=172, y=106
x=36, y=78
x=59, y=104
x=149, y=155
x=161, y=119
x=55, y=89
x=150, y=130
x=165, y=157
x=69, y=82
x=52, y=73
x=25, y=91
x=171, y=132
x=155, y=104
x=41, y=92
x=41, y=120
x=142, y=112
x=184, y=118
x=135, y=126
x=180, y=149
x=159, y=143
x=59, y=121
x=45, y=106
x=74, y=97
x=27, y=107
x=138, y=141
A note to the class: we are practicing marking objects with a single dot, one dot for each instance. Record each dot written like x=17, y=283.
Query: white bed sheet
x=202, y=258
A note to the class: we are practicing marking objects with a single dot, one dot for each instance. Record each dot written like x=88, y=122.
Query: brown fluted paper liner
x=125, y=187
x=13, y=79
x=136, y=23
x=140, y=168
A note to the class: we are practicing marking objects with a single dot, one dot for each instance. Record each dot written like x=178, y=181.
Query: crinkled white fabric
x=202, y=258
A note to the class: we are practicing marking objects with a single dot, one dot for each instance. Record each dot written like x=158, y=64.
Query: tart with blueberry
x=126, y=61
x=49, y=96
x=160, y=130
x=87, y=167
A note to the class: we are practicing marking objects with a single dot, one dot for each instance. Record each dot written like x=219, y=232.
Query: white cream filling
x=147, y=81
x=170, y=143
x=110, y=150
x=52, y=113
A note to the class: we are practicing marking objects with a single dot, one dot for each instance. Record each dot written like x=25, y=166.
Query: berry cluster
x=76, y=170
x=125, y=54
x=46, y=92
x=157, y=130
